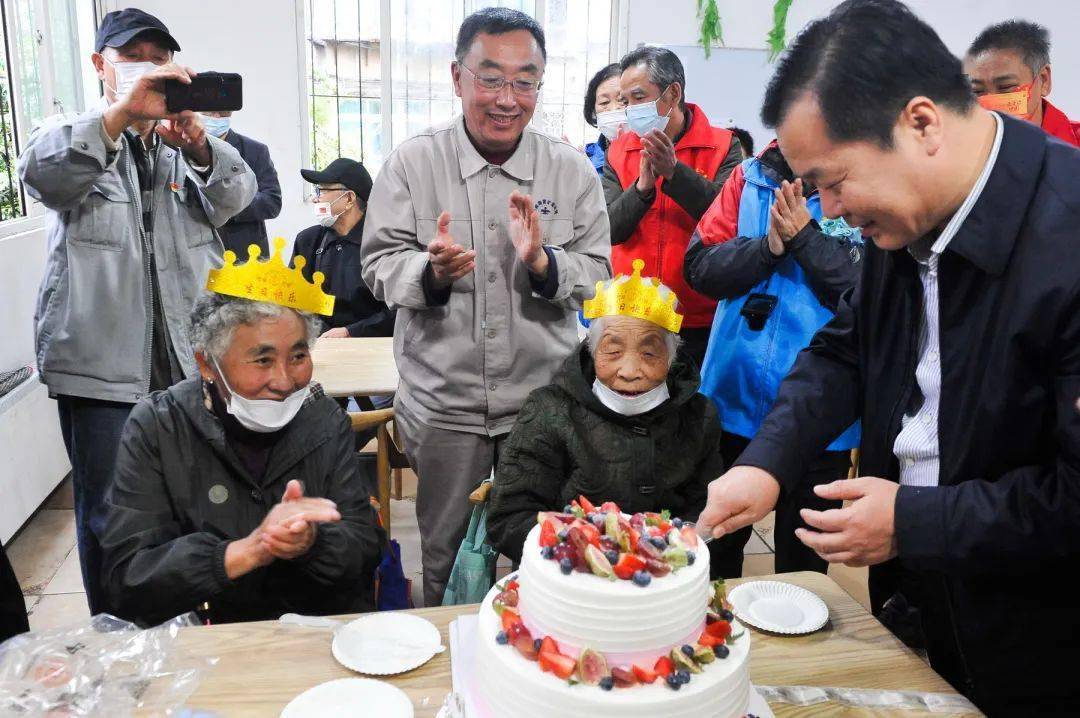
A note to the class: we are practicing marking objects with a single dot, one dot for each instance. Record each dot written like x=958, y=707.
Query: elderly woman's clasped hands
x=288, y=532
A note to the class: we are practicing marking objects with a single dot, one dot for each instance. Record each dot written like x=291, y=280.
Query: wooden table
x=356, y=367
x=265, y=665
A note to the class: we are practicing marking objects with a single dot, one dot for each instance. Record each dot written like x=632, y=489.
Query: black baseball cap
x=119, y=27
x=343, y=171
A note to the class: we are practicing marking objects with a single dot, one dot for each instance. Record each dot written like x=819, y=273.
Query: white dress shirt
x=916, y=445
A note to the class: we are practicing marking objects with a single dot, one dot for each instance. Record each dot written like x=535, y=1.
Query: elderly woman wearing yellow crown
x=236, y=491
x=622, y=421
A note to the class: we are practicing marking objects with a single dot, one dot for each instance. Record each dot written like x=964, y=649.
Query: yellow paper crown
x=271, y=281
x=633, y=297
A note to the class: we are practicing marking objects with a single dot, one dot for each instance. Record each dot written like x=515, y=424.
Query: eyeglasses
x=524, y=88
x=320, y=191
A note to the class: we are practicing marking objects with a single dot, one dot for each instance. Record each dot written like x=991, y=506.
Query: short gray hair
x=216, y=316
x=596, y=332
x=664, y=67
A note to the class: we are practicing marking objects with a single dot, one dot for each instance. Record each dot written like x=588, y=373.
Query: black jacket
x=566, y=443
x=992, y=545
x=181, y=494
x=731, y=269
x=337, y=257
x=248, y=227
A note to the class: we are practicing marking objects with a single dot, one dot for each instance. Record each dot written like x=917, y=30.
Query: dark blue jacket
x=992, y=546
x=247, y=227
x=338, y=258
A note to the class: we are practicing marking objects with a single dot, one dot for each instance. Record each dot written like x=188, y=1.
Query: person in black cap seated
x=333, y=247
x=248, y=227
x=133, y=194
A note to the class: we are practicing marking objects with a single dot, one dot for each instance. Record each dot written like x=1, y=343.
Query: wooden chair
x=388, y=455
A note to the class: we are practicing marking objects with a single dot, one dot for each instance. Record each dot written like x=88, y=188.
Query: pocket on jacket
x=461, y=231
x=104, y=219
x=194, y=226
x=556, y=232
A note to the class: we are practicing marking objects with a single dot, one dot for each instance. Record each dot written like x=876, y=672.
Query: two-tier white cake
x=650, y=650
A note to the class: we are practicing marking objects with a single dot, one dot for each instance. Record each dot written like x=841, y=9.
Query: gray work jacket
x=94, y=313
x=467, y=363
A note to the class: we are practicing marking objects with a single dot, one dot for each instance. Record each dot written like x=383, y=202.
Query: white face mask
x=263, y=415
x=609, y=123
x=127, y=73
x=630, y=405
x=644, y=117
x=324, y=212
x=216, y=126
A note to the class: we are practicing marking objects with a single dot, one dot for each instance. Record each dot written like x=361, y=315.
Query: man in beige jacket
x=486, y=235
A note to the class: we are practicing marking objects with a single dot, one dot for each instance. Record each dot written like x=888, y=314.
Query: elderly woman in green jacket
x=622, y=421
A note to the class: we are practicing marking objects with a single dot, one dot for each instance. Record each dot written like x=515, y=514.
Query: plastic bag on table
x=101, y=666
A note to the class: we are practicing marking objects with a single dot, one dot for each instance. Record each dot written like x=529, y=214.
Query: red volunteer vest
x=664, y=232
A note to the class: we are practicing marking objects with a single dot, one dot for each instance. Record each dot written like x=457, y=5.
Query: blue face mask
x=643, y=118
x=216, y=126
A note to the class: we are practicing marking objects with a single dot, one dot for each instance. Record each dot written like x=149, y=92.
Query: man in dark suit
x=249, y=226
x=959, y=347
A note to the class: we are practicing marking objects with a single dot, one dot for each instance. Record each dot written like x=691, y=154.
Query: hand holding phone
x=205, y=92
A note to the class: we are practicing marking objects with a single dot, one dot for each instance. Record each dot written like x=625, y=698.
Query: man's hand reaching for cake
x=740, y=497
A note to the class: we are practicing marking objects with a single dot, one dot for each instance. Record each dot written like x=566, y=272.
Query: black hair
x=663, y=65
x=862, y=63
x=496, y=21
x=1032, y=41
x=745, y=139
x=612, y=70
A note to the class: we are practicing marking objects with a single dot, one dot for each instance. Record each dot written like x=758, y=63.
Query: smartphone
x=208, y=91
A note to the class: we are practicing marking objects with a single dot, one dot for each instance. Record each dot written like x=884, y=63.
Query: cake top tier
x=610, y=544
x=633, y=587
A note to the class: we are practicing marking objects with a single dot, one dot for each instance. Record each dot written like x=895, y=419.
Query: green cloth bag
x=473, y=573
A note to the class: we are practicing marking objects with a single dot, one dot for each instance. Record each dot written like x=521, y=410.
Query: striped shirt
x=916, y=446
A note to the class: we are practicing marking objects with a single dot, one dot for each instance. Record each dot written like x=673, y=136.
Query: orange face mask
x=1012, y=103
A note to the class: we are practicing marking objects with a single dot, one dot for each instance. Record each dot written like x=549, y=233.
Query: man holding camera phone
x=134, y=193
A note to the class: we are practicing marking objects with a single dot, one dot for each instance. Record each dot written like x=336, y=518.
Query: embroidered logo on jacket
x=546, y=207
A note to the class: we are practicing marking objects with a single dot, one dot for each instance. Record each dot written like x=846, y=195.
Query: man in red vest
x=1009, y=68
x=661, y=177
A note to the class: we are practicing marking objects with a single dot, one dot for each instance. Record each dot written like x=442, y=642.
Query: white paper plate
x=350, y=697
x=382, y=644
x=778, y=607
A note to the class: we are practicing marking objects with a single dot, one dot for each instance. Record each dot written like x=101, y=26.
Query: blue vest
x=596, y=155
x=743, y=368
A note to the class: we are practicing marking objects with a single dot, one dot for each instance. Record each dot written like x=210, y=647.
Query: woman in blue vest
x=779, y=270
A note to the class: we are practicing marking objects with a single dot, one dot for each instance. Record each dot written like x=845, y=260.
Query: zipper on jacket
x=136, y=193
x=969, y=683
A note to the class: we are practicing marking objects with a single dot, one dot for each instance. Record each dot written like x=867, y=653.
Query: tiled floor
x=47, y=563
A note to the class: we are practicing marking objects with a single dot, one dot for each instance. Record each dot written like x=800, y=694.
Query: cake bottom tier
x=511, y=686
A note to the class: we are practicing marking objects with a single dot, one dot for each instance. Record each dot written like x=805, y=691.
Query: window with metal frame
x=44, y=71
x=379, y=71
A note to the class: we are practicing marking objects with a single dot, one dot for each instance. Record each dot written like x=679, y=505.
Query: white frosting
x=614, y=617
x=509, y=686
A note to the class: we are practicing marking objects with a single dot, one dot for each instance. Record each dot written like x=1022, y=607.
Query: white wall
x=260, y=39
x=746, y=25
